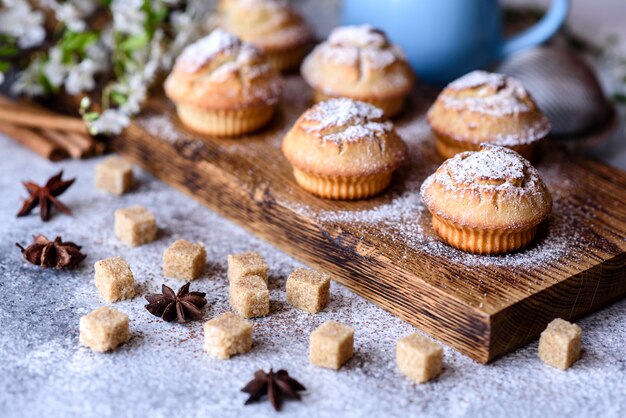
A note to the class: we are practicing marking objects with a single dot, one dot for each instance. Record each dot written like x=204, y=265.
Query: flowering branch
x=119, y=59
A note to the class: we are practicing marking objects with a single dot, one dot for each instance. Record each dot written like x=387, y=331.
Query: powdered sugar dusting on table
x=403, y=219
x=161, y=126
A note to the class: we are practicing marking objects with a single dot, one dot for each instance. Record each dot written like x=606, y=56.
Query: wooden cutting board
x=385, y=250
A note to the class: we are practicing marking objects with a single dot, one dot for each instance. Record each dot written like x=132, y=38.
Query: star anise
x=45, y=196
x=183, y=307
x=277, y=386
x=58, y=254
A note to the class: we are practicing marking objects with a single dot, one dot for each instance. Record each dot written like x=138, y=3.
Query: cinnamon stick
x=41, y=120
x=35, y=142
x=85, y=142
x=79, y=145
x=63, y=140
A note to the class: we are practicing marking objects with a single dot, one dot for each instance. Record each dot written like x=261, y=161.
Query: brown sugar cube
x=331, y=345
x=419, y=358
x=114, y=279
x=135, y=225
x=184, y=260
x=246, y=264
x=249, y=297
x=559, y=344
x=114, y=175
x=104, y=329
x=227, y=335
x=308, y=290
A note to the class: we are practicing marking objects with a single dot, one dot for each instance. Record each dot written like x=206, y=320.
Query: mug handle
x=540, y=32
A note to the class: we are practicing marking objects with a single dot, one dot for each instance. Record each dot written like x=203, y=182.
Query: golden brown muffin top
x=494, y=188
x=359, y=62
x=219, y=71
x=272, y=25
x=343, y=137
x=488, y=107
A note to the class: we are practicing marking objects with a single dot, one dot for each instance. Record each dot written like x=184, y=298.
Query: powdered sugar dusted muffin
x=489, y=201
x=483, y=107
x=271, y=25
x=343, y=149
x=222, y=86
x=360, y=63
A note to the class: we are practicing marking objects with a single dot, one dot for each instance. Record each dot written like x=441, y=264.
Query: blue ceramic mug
x=444, y=39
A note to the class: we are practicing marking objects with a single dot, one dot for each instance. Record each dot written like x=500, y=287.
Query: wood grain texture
x=384, y=248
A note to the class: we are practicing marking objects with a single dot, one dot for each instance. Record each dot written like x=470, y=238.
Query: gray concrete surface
x=163, y=372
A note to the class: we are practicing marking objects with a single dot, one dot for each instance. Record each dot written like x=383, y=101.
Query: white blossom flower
x=136, y=91
x=69, y=15
x=81, y=77
x=1, y=78
x=98, y=54
x=54, y=69
x=128, y=17
x=18, y=20
x=27, y=81
x=111, y=121
x=86, y=7
x=107, y=37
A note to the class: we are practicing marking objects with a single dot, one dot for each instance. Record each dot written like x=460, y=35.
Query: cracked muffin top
x=220, y=71
x=358, y=62
x=343, y=138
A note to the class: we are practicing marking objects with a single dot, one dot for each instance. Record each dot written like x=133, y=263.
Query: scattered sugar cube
x=308, y=290
x=227, y=335
x=184, y=260
x=559, y=344
x=104, y=329
x=114, y=175
x=331, y=345
x=135, y=225
x=246, y=264
x=419, y=358
x=249, y=297
x=114, y=279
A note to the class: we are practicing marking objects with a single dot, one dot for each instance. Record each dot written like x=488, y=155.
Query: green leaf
x=157, y=16
x=91, y=116
x=77, y=43
x=4, y=66
x=135, y=42
x=118, y=98
x=9, y=51
x=47, y=86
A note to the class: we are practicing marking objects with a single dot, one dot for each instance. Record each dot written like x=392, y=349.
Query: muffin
x=222, y=86
x=343, y=149
x=271, y=25
x=483, y=107
x=489, y=201
x=360, y=63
